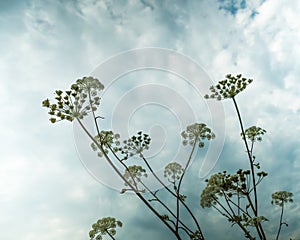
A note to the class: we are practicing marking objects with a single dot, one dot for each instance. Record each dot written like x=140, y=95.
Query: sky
x=50, y=186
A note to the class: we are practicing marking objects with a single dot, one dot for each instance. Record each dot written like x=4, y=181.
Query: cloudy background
x=47, y=193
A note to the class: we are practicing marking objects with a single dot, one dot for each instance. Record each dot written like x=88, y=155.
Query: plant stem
x=280, y=222
x=247, y=233
x=258, y=229
x=180, y=182
x=93, y=112
x=112, y=237
x=249, y=155
x=170, y=191
x=255, y=208
x=186, y=228
x=125, y=180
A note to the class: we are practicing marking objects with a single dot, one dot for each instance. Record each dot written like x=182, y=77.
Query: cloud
x=46, y=45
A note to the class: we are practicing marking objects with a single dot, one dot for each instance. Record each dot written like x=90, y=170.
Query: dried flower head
x=281, y=197
x=106, y=139
x=134, y=174
x=212, y=190
x=90, y=85
x=197, y=132
x=135, y=145
x=77, y=102
x=104, y=226
x=254, y=133
x=173, y=171
x=223, y=183
x=229, y=87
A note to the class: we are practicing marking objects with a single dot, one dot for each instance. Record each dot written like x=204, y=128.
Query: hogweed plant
x=234, y=196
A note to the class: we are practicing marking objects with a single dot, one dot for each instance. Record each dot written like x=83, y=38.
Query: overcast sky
x=47, y=193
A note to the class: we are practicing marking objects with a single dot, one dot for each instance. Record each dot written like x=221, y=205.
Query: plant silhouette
x=233, y=195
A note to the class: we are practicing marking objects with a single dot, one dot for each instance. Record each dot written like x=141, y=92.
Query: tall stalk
x=260, y=230
x=180, y=182
x=280, y=222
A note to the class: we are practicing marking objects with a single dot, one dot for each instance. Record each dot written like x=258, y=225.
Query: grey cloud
x=58, y=42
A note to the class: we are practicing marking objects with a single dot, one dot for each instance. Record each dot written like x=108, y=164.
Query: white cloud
x=47, y=45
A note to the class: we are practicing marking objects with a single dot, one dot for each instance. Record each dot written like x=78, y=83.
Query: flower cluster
x=133, y=174
x=106, y=225
x=106, y=139
x=281, y=197
x=210, y=193
x=254, y=133
x=221, y=184
x=135, y=145
x=197, y=132
x=229, y=87
x=77, y=102
x=173, y=171
x=90, y=85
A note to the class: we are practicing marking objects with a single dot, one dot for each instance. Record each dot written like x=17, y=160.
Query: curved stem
x=125, y=180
